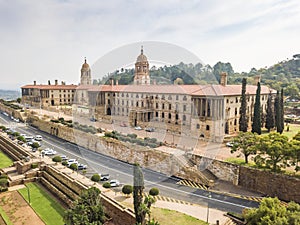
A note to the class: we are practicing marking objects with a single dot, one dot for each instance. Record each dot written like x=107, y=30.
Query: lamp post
x=209, y=196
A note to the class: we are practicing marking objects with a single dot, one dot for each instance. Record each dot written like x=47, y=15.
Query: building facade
x=209, y=111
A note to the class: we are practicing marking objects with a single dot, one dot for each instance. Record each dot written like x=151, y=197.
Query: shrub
x=3, y=182
x=106, y=185
x=152, y=145
x=132, y=135
x=57, y=159
x=108, y=134
x=16, y=134
x=64, y=163
x=96, y=177
x=73, y=166
x=3, y=176
x=35, y=145
x=127, y=189
x=154, y=191
x=54, y=121
x=61, y=119
x=34, y=165
x=21, y=138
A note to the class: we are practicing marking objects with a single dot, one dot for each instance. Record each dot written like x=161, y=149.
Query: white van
x=38, y=138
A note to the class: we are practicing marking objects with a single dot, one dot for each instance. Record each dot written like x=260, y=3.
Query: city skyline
x=49, y=39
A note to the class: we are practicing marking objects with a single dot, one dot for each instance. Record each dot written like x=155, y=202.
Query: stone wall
x=61, y=186
x=72, y=184
x=56, y=191
x=222, y=170
x=285, y=187
x=127, y=152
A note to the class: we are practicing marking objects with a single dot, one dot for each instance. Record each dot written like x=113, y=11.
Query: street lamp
x=209, y=196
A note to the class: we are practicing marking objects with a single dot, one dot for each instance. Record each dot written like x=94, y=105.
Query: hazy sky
x=48, y=39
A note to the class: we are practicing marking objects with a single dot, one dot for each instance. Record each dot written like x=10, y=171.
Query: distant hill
x=9, y=94
x=285, y=74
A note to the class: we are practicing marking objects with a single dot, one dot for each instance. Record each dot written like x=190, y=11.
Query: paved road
x=123, y=172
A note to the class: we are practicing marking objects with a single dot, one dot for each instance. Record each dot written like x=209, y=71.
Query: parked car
x=38, y=138
x=64, y=158
x=72, y=161
x=114, y=183
x=17, y=120
x=149, y=129
x=82, y=166
x=229, y=144
x=138, y=128
x=48, y=151
x=104, y=177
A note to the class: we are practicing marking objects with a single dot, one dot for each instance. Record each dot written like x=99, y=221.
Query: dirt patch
x=18, y=210
x=2, y=222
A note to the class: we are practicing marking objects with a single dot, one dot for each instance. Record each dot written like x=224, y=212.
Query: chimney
x=56, y=82
x=49, y=83
x=257, y=79
x=117, y=82
x=34, y=82
x=111, y=82
x=223, y=79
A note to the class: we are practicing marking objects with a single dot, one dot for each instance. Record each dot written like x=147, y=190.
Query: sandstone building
x=208, y=111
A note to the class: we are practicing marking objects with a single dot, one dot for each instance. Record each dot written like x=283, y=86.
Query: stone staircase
x=229, y=221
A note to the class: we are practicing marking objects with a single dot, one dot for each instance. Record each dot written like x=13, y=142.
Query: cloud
x=48, y=39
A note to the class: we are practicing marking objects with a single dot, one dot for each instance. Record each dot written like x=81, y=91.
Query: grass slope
x=5, y=161
x=48, y=209
x=5, y=217
x=171, y=217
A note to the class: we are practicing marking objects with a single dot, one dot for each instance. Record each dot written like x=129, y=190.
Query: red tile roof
x=195, y=90
x=50, y=87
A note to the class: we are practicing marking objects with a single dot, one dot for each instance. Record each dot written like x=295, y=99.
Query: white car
x=72, y=161
x=138, y=128
x=49, y=151
x=38, y=138
x=64, y=158
x=114, y=183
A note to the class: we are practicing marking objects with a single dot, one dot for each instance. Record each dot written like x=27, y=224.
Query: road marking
x=153, y=183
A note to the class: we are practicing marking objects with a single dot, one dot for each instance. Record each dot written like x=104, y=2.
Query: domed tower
x=141, y=73
x=85, y=78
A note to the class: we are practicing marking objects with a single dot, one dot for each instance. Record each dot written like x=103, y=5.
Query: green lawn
x=293, y=130
x=170, y=217
x=5, y=217
x=5, y=161
x=49, y=210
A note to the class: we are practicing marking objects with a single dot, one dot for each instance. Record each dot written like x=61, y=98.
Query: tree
x=281, y=105
x=271, y=211
x=74, y=166
x=296, y=153
x=96, y=177
x=19, y=100
x=57, y=159
x=277, y=113
x=138, y=187
x=35, y=145
x=154, y=191
x=127, y=189
x=274, y=149
x=297, y=136
x=256, y=125
x=245, y=143
x=87, y=209
x=270, y=114
x=243, y=122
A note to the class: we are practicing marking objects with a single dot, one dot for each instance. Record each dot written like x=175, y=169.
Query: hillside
x=285, y=74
